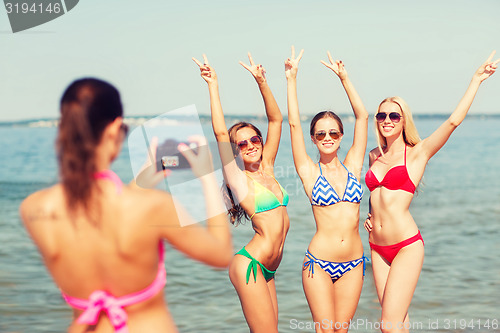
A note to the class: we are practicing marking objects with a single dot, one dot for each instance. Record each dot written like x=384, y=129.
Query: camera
x=169, y=157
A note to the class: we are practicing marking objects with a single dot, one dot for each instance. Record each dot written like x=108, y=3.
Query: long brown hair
x=235, y=211
x=87, y=106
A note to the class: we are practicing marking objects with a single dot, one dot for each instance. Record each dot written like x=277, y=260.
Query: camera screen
x=169, y=161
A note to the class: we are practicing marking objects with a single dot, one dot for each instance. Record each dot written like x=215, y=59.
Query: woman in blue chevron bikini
x=333, y=267
x=255, y=194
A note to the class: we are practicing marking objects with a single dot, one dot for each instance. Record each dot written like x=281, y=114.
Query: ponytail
x=76, y=156
x=87, y=107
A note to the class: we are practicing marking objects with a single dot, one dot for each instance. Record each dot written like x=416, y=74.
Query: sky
x=424, y=51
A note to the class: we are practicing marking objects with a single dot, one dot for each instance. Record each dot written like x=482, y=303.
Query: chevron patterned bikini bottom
x=334, y=269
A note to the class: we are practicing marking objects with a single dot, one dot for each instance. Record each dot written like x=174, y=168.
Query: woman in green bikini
x=255, y=194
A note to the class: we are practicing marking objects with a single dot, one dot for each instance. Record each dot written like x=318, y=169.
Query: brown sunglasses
x=255, y=140
x=321, y=135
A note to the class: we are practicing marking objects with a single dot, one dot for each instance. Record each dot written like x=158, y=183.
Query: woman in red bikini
x=103, y=242
x=396, y=167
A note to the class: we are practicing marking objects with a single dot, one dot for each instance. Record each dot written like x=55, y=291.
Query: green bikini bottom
x=252, y=266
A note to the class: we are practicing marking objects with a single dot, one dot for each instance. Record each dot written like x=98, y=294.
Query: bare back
x=117, y=253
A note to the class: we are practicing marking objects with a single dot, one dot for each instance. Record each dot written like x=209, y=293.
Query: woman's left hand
x=258, y=72
x=488, y=68
x=337, y=66
x=201, y=162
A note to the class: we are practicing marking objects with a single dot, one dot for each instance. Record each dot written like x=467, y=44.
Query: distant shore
x=138, y=120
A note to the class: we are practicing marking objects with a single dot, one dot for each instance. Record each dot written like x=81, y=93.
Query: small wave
x=44, y=123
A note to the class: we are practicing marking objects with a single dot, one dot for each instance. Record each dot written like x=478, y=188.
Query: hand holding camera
x=201, y=161
x=168, y=155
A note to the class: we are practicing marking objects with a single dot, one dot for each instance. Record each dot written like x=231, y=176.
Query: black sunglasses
x=124, y=129
x=321, y=135
x=255, y=140
x=393, y=116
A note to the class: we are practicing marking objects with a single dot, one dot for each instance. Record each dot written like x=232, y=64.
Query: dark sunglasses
x=255, y=140
x=321, y=135
x=124, y=129
x=393, y=116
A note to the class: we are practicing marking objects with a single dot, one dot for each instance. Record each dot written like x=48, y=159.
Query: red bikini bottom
x=389, y=252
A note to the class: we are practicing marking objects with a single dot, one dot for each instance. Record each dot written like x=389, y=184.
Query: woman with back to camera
x=254, y=194
x=396, y=168
x=333, y=268
x=102, y=242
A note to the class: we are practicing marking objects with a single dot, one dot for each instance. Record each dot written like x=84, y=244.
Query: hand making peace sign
x=337, y=66
x=257, y=71
x=207, y=73
x=487, y=68
x=292, y=64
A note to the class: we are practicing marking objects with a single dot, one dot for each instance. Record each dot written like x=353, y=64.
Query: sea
x=457, y=209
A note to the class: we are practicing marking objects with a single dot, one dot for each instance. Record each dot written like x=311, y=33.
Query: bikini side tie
x=365, y=259
x=252, y=267
x=310, y=263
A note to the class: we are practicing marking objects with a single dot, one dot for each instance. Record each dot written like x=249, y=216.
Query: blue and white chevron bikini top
x=323, y=194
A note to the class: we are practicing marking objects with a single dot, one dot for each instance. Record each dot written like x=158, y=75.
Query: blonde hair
x=410, y=133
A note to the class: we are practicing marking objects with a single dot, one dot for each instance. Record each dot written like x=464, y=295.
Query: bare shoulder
x=41, y=204
x=374, y=153
x=267, y=166
x=150, y=205
x=416, y=153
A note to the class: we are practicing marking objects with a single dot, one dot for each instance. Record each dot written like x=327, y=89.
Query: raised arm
x=234, y=177
x=211, y=245
x=218, y=123
x=431, y=145
x=301, y=160
x=274, y=117
x=356, y=154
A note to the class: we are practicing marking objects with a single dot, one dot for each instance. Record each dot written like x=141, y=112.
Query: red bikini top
x=397, y=178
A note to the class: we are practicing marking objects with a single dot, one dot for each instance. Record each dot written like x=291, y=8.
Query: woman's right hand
x=368, y=223
x=148, y=176
x=207, y=72
x=292, y=64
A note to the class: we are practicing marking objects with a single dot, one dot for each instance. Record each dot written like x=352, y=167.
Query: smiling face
x=328, y=144
x=390, y=128
x=252, y=151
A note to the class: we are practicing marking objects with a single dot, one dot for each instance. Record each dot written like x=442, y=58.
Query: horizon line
x=252, y=116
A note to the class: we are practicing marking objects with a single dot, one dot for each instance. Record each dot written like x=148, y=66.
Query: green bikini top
x=265, y=199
